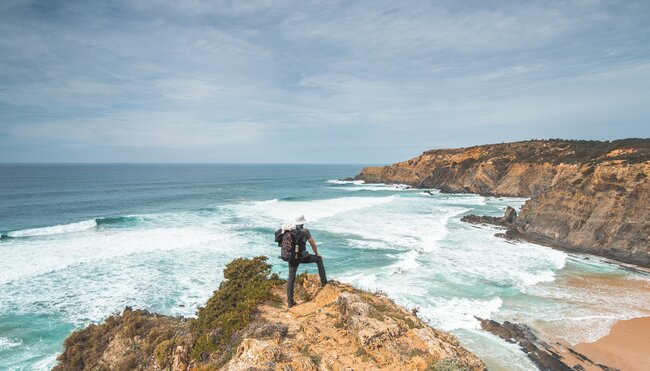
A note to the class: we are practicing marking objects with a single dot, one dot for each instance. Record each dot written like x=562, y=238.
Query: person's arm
x=313, y=246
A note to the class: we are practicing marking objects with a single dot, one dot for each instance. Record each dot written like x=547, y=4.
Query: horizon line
x=180, y=163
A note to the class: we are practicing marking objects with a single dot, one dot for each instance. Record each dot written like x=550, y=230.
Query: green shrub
x=162, y=353
x=247, y=283
x=84, y=348
x=447, y=364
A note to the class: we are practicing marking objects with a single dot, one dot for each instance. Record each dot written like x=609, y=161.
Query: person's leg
x=292, y=279
x=321, y=267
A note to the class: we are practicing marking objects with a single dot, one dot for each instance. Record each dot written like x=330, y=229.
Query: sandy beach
x=626, y=347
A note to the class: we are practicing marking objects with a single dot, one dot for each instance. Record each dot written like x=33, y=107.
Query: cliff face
x=585, y=195
x=336, y=327
x=520, y=169
x=606, y=213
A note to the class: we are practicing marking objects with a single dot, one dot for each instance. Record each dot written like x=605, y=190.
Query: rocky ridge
x=554, y=356
x=585, y=196
x=336, y=327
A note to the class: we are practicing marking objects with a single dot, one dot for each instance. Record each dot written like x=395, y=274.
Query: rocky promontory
x=246, y=325
x=555, y=356
x=585, y=196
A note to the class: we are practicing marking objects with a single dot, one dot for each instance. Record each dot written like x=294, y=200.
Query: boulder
x=510, y=216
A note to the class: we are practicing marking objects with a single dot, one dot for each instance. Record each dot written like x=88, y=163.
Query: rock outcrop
x=336, y=327
x=585, y=196
x=553, y=357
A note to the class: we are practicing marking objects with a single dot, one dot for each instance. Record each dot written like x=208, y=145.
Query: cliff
x=246, y=326
x=586, y=196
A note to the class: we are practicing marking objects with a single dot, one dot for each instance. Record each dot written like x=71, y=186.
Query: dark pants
x=293, y=268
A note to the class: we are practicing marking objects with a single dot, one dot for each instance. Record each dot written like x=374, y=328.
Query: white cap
x=300, y=220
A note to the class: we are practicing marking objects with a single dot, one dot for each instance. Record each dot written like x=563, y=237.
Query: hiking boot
x=291, y=304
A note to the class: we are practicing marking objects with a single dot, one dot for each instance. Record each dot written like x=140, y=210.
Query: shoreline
x=570, y=186
x=625, y=346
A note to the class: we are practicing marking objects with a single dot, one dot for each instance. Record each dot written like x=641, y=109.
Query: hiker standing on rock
x=293, y=240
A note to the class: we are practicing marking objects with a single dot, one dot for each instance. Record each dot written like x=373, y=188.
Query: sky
x=268, y=81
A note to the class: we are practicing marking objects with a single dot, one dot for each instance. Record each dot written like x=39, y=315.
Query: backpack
x=289, y=243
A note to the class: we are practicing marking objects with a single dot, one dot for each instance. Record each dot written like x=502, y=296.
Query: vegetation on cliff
x=128, y=341
x=246, y=325
x=247, y=283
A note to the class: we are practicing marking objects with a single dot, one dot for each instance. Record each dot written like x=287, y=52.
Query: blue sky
x=321, y=81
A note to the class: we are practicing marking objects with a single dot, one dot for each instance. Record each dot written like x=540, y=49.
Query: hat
x=300, y=220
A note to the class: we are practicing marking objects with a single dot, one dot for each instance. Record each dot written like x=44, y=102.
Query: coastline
x=625, y=347
x=571, y=187
x=639, y=263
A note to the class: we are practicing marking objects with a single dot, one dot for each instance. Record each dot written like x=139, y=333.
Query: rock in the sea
x=547, y=357
x=507, y=220
x=510, y=215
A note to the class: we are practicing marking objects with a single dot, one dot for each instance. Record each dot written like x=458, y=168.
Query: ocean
x=82, y=241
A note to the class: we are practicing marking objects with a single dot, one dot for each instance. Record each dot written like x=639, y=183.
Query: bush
x=447, y=364
x=247, y=283
x=85, y=348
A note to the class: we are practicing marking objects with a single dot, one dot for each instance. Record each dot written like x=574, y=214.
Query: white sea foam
x=342, y=182
x=267, y=212
x=408, y=262
x=6, y=343
x=497, y=354
x=429, y=192
x=380, y=187
x=56, y=229
x=31, y=259
x=456, y=313
x=360, y=185
x=460, y=199
x=47, y=363
x=86, y=279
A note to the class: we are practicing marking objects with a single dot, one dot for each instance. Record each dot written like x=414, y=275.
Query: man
x=303, y=235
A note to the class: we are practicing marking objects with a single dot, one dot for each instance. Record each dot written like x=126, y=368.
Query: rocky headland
x=246, y=325
x=585, y=196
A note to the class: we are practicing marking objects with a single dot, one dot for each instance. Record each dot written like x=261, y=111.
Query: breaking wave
x=71, y=227
x=55, y=229
x=342, y=182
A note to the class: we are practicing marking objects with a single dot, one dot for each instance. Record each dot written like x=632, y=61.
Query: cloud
x=354, y=81
x=170, y=130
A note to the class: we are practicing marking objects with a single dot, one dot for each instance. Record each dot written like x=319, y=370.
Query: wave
x=407, y=263
x=6, y=343
x=52, y=230
x=342, y=182
x=113, y=220
x=71, y=227
x=460, y=313
x=360, y=185
x=292, y=198
x=270, y=211
x=382, y=187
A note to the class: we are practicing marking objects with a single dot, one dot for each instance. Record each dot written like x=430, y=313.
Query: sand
x=626, y=347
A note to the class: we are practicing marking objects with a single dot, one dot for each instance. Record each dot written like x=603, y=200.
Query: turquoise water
x=80, y=242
